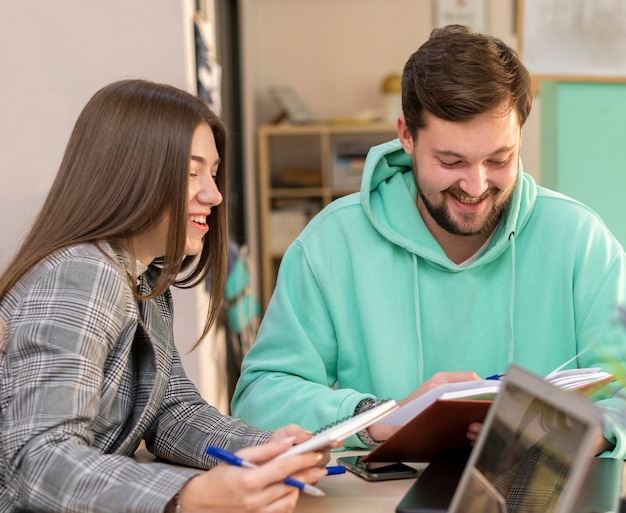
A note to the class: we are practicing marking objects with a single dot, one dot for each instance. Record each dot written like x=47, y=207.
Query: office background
x=334, y=53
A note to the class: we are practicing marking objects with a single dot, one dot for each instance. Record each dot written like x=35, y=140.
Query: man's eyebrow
x=503, y=149
x=447, y=153
x=450, y=153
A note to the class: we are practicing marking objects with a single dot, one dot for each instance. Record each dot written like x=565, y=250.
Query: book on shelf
x=435, y=423
x=354, y=163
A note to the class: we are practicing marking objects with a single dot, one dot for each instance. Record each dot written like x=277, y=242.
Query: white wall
x=53, y=56
x=336, y=53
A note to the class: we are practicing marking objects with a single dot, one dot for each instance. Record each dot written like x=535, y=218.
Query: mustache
x=459, y=193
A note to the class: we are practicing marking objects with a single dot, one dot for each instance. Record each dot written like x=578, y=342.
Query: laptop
x=533, y=454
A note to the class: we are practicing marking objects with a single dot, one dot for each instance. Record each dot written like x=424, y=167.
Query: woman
x=88, y=366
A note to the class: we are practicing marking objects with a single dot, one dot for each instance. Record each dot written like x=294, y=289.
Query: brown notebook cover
x=441, y=429
x=438, y=430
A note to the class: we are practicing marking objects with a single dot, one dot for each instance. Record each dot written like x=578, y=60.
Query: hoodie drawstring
x=418, y=322
x=512, y=300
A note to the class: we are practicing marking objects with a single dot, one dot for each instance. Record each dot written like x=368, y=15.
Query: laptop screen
x=533, y=450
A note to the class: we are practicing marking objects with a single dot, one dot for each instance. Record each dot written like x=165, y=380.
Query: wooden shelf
x=296, y=192
x=302, y=169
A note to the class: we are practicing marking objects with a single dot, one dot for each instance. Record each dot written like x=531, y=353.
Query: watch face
x=365, y=404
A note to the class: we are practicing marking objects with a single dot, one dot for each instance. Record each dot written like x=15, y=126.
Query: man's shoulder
x=561, y=204
x=561, y=214
x=341, y=212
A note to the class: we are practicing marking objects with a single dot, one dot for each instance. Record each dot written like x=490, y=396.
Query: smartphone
x=375, y=471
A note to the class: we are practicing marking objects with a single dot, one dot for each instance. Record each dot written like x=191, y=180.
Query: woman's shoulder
x=93, y=269
x=80, y=277
x=89, y=258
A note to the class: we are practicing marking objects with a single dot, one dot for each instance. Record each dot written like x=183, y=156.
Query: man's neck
x=458, y=251
x=458, y=248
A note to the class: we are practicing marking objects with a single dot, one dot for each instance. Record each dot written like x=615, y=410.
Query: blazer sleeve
x=59, y=339
x=187, y=425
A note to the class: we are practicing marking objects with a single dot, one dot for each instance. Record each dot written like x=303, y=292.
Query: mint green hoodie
x=367, y=303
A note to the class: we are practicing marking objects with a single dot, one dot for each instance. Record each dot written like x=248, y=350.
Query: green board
x=583, y=146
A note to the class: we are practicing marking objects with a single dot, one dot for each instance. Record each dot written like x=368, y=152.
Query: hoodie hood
x=388, y=196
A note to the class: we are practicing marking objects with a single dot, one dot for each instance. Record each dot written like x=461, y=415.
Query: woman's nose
x=208, y=192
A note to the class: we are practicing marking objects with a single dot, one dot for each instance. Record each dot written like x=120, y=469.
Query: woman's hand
x=234, y=489
x=292, y=431
x=299, y=435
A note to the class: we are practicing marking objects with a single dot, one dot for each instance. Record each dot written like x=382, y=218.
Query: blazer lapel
x=152, y=355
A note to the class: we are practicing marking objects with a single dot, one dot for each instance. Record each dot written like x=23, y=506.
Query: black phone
x=375, y=471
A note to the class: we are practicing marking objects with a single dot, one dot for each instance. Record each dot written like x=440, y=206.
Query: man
x=450, y=264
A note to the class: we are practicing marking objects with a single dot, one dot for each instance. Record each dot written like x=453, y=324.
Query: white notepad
x=343, y=429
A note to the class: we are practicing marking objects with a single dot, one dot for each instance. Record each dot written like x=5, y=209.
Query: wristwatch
x=366, y=404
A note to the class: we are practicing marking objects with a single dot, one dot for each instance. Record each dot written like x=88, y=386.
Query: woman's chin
x=193, y=248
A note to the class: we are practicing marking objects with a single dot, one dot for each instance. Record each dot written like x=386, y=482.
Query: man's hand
x=382, y=432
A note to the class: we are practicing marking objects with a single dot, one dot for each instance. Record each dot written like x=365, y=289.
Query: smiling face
x=202, y=196
x=465, y=173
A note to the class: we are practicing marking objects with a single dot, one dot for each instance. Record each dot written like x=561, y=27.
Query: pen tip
x=313, y=490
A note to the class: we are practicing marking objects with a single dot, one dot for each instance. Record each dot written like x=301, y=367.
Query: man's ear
x=404, y=134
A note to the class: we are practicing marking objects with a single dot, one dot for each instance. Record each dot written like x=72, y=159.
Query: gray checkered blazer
x=86, y=373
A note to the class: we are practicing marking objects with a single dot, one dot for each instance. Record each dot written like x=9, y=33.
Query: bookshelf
x=302, y=168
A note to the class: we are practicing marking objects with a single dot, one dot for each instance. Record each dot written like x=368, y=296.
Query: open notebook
x=533, y=454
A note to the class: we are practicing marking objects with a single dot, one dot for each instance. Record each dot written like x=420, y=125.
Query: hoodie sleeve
x=602, y=337
x=290, y=372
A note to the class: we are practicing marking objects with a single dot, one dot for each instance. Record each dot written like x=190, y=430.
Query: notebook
x=435, y=423
x=533, y=454
x=341, y=430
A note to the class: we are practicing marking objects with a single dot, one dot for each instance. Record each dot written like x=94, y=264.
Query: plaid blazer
x=86, y=373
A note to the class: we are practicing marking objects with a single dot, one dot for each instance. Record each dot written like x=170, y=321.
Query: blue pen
x=231, y=459
x=495, y=377
x=333, y=470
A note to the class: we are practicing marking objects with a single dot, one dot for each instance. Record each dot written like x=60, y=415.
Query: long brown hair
x=458, y=74
x=125, y=165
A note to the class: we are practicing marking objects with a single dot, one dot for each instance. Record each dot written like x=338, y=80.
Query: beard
x=467, y=226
